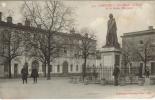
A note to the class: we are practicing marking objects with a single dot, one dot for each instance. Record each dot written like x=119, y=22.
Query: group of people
x=34, y=74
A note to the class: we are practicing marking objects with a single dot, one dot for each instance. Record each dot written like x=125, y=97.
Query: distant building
x=139, y=39
x=68, y=62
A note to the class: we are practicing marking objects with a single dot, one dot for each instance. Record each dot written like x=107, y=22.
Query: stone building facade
x=139, y=39
x=68, y=62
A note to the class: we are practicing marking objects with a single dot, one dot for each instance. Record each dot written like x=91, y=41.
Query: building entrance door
x=141, y=70
x=153, y=68
x=15, y=70
x=65, y=67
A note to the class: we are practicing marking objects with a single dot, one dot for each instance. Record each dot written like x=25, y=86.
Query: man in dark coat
x=116, y=75
x=34, y=74
x=147, y=72
x=24, y=74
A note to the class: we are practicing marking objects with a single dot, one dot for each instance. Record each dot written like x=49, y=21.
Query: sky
x=130, y=16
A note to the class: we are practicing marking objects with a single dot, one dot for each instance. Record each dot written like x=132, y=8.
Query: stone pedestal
x=110, y=57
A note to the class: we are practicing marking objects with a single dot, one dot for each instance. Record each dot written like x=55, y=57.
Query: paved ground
x=62, y=88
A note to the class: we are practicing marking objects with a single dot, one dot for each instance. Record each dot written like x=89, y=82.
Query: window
x=141, y=64
x=141, y=42
x=51, y=68
x=75, y=41
x=153, y=68
x=100, y=65
x=80, y=52
x=80, y=42
x=141, y=70
x=58, y=68
x=6, y=68
x=65, y=51
x=71, y=67
x=43, y=68
x=77, y=67
x=16, y=70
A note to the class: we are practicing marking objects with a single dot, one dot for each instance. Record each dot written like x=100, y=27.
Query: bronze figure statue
x=111, y=38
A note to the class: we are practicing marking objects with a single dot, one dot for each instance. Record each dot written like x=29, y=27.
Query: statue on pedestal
x=111, y=38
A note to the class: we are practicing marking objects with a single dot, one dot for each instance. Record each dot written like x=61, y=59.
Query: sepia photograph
x=74, y=49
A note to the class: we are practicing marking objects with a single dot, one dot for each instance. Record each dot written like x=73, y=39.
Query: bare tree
x=11, y=46
x=128, y=56
x=54, y=16
x=37, y=47
x=139, y=52
x=88, y=47
x=145, y=52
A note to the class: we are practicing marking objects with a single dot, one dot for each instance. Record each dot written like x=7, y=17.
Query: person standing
x=116, y=73
x=35, y=75
x=24, y=74
x=147, y=72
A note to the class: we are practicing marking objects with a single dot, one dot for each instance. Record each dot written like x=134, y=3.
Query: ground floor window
x=71, y=67
x=43, y=67
x=141, y=70
x=15, y=70
x=77, y=68
x=6, y=67
x=51, y=68
x=58, y=68
x=153, y=68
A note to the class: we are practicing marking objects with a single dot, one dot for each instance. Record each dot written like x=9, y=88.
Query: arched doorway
x=65, y=67
x=35, y=64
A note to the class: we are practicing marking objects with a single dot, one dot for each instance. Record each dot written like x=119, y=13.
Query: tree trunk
x=49, y=70
x=9, y=63
x=84, y=67
x=44, y=65
x=48, y=74
x=145, y=67
x=49, y=56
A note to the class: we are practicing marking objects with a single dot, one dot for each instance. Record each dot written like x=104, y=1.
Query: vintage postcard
x=68, y=49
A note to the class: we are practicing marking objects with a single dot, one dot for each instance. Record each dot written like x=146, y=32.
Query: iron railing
x=107, y=72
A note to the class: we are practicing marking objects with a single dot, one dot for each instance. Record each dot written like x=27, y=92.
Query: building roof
x=35, y=29
x=139, y=33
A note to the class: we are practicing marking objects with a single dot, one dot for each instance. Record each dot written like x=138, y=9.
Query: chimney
x=39, y=26
x=9, y=19
x=27, y=22
x=0, y=16
x=19, y=24
x=72, y=31
x=150, y=27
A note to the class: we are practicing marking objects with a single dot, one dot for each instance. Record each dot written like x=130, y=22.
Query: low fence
x=106, y=73
x=101, y=73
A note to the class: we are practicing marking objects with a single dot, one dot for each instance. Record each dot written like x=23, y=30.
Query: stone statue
x=111, y=38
